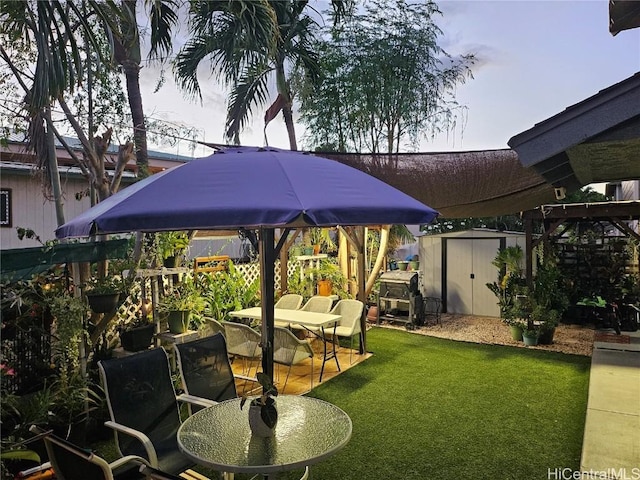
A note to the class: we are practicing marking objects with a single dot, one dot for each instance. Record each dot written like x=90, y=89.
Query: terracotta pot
x=316, y=249
x=324, y=287
x=372, y=314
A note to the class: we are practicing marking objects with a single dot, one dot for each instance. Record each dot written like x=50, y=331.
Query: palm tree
x=120, y=17
x=249, y=43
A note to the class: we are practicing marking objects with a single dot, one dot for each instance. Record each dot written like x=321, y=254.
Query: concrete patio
x=611, y=446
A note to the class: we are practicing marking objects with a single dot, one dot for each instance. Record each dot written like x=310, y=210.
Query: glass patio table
x=308, y=431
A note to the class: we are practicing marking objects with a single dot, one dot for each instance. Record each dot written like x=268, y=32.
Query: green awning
x=22, y=263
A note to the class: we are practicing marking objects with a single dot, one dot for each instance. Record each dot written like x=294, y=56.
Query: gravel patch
x=572, y=339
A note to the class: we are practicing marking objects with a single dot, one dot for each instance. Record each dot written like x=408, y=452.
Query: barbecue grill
x=399, y=298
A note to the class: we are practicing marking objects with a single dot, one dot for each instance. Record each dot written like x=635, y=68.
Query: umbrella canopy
x=253, y=188
x=250, y=188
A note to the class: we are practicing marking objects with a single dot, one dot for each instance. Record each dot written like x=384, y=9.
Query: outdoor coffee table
x=309, y=320
x=308, y=431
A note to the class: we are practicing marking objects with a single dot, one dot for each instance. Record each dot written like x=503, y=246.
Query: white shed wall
x=456, y=267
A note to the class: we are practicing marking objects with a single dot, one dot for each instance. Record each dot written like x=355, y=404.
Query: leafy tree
x=386, y=81
x=71, y=78
x=250, y=43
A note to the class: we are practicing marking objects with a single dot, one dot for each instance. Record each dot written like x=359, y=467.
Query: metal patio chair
x=211, y=326
x=205, y=369
x=71, y=462
x=144, y=410
x=243, y=342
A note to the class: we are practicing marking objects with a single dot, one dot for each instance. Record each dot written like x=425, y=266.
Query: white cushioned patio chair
x=318, y=304
x=289, y=350
x=350, y=312
x=288, y=301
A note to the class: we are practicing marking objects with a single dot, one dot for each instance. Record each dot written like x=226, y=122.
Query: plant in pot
x=263, y=415
x=135, y=335
x=178, y=305
x=530, y=334
x=104, y=294
x=329, y=278
x=510, y=289
x=549, y=299
x=171, y=245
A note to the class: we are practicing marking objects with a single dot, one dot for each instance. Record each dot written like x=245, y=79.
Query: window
x=5, y=207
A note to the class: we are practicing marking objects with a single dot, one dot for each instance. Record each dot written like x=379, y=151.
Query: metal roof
x=595, y=140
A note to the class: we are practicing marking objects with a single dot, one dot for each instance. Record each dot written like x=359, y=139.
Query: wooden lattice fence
x=129, y=310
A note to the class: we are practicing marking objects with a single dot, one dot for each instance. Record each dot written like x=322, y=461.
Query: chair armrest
x=129, y=458
x=193, y=400
x=138, y=435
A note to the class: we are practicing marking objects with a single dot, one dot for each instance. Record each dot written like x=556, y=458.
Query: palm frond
x=250, y=91
x=162, y=14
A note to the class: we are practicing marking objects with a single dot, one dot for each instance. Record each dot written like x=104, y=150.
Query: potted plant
x=329, y=278
x=550, y=300
x=263, y=415
x=530, y=335
x=170, y=246
x=180, y=303
x=136, y=335
x=103, y=294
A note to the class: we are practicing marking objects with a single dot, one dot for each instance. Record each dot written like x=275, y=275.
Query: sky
x=535, y=58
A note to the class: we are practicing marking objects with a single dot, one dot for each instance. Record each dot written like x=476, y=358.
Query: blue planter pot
x=530, y=340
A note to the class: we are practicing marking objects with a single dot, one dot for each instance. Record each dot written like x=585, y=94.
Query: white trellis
x=129, y=310
x=251, y=271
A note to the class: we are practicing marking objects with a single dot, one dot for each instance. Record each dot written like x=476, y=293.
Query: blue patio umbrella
x=252, y=188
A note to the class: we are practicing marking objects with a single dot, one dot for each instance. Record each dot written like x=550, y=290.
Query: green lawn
x=427, y=408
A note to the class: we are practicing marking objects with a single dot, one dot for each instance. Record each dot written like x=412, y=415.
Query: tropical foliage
x=386, y=82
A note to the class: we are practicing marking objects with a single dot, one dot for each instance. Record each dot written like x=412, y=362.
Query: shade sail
x=250, y=188
x=253, y=188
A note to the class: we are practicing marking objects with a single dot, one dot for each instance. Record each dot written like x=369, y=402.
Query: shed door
x=468, y=270
x=457, y=271
x=484, y=301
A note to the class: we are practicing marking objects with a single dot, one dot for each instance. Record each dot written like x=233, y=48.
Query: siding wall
x=29, y=208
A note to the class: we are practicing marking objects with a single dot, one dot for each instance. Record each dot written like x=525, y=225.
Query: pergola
x=557, y=218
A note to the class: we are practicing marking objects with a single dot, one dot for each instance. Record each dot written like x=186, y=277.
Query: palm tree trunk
x=53, y=169
x=283, y=90
x=132, y=75
x=288, y=121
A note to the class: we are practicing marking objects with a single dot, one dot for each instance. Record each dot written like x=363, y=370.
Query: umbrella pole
x=266, y=238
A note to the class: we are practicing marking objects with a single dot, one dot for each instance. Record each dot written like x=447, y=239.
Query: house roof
x=623, y=15
x=595, y=140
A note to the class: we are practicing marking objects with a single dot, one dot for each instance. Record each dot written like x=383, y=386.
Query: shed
x=457, y=266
